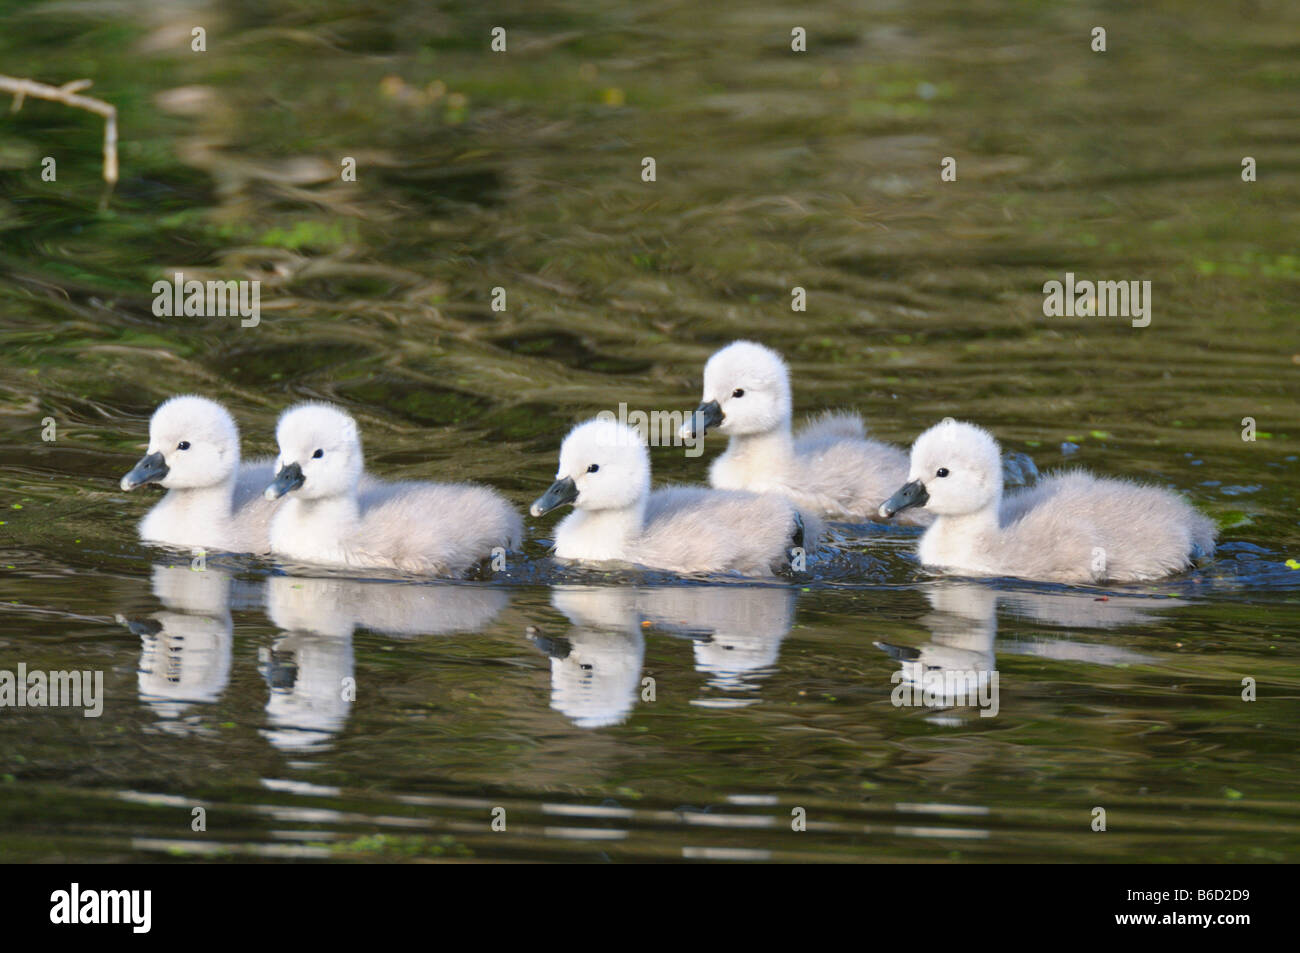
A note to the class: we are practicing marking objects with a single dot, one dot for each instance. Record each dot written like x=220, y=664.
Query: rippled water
x=528, y=691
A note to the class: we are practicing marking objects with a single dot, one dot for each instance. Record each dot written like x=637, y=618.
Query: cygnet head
x=746, y=391
x=193, y=443
x=956, y=469
x=604, y=465
x=320, y=453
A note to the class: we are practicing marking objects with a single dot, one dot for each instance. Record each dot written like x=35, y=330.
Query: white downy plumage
x=213, y=501
x=830, y=467
x=605, y=473
x=330, y=518
x=1070, y=527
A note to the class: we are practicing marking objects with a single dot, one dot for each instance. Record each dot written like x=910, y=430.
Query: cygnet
x=330, y=519
x=212, y=499
x=830, y=467
x=1071, y=527
x=605, y=473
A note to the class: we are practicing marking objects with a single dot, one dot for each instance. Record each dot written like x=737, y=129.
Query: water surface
x=527, y=690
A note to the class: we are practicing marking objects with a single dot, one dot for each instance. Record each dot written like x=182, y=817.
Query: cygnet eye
x=738, y=392
x=183, y=445
x=318, y=454
x=593, y=468
x=941, y=472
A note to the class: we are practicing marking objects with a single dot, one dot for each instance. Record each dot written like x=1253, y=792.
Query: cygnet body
x=605, y=473
x=830, y=467
x=330, y=518
x=212, y=499
x=1071, y=527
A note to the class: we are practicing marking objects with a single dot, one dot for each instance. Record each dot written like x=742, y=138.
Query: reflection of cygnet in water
x=185, y=648
x=309, y=671
x=964, y=625
x=737, y=630
x=1082, y=610
x=334, y=605
x=430, y=609
x=596, y=665
x=312, y=688
x=956, y=667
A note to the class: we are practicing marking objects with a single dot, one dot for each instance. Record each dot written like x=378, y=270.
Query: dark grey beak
x=899, y=653
x=556, y=648
x=708, y=414
x=289, y=478
x=150, y=469
x=911, y=494
x=140, y=627
x=560, y=492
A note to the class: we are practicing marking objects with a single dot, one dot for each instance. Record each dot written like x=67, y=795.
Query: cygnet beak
x=150, y=469
x=559, y=493
x=899, y=653
x=708, y=414
x=909, y=495
x=141, y=627
x=289, y=478
x=558, y=648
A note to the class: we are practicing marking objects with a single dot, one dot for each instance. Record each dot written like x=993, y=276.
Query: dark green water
x=521, y=170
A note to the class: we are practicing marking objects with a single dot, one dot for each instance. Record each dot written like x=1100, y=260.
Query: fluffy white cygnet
x=830, y=467
x=331, y=519
x=605, y=473
x=1071, y=527
x=212, y=500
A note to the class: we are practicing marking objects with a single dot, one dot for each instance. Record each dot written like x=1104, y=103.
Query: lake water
x=768, y=706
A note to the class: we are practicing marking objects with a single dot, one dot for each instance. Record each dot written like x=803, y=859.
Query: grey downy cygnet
x=830, y=467
x=213, y=500
x=605, y=473
x=1071, y=527
x=331, y=519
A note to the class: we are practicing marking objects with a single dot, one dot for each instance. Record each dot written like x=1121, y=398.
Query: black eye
x=183, y=445
x=941, y=472
x=318, y=454
x=738, y=392
x=593, y=468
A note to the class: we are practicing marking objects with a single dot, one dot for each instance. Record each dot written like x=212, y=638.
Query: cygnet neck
x=969, y=525
x=773, y=448
x=202, y=512
x=603, y=534
x=337, y=513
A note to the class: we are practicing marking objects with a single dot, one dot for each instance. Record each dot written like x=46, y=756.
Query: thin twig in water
x=68, y=95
